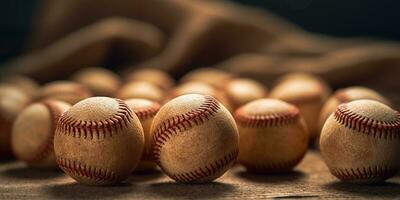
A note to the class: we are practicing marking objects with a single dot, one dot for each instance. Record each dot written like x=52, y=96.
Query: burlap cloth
x=179, y=35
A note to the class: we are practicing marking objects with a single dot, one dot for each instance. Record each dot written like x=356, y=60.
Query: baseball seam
x=144, y=113
x=180, y=123
x=267, y=120
x=80, y=169
x=96, y=129
x=206, y=171
x=363, y=173
x=377, y=129
x=47, y=146
x=273, y=167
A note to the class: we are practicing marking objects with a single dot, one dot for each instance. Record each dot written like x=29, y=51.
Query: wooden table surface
x=310, y=179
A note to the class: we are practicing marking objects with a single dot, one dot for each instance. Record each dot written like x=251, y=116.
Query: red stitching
x=183, y=122
x=96, y=129
x=273, y=167
x=47, y=146
x=145, y=113
x=377, y=129
x=206, y=171
x=267, y=120
x=364, y=173
x=82, y=170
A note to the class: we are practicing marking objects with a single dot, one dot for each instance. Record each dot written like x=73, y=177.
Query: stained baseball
x=100, y=81
x=33, y=133
x=308, y=94
x=242, y=90
x=214, y=77
x=360, y=141
x=145, y=110
x=273, y=136
x=346, y=95
x=154, y=76
x=12, y=101
x=195, y=139
x=66, y=91
x=99, y=141
x=140, y=89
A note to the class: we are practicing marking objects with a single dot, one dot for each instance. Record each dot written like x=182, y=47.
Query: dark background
x=372, y=18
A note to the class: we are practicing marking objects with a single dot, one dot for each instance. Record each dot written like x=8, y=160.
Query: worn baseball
x=99, y=141
x=198, y=88
x=28, y=85
x=214, y=77
x=346, y=95
x=100, y=81
x=67, y=91
x=195, y=139
x=12, y=101
x=273, y=136
x=308, y=94
x=242, y=90
x=145, y=110
x=154, y=76
x=33, y=133
x=360, y=141
x=140, y=89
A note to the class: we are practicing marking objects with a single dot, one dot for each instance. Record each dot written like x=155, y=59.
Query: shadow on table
x=29, y=173
x=270, y=178
x=385, y=189
x=145, y=176
x=190, y=191
x=77, y=191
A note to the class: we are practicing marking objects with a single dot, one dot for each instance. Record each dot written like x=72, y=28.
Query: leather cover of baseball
x=195, y=139
x=33, y=133
x=145, y=110
x=99, y=141
x=214, y=77
x=100, y=81
x=273, y=136
x=67, y=91
x=360, y=142
x=242, y=90
x=12, y=101
x=140, y=89
x=154, y=76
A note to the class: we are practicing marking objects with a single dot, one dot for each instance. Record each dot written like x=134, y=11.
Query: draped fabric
x=180, y=35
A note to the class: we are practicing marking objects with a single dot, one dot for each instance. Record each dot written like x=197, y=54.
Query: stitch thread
x=377, y=129
x=80, y=169
x=145, y=113
x=47, y=146
x=96, y=129
x=363, y=173
x=183, y=122
x=267, y=120
x=205, y=171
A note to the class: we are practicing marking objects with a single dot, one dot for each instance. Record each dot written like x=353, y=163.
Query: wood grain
x=311, y=179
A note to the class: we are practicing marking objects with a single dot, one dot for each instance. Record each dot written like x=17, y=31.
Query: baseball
x=273, y=136
x=100, y=81
x=195, y=139
x=99, y=141
x=141, y=89
x=346, y=95
x=198, y=88
x=242, y=90
x=360, y=141
x=67, y=91
x=214, y=77
x=154, y=76
x=28, y=85
x=145, y=110
x=308, y=94
x=33, y=133
x=12, y=101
